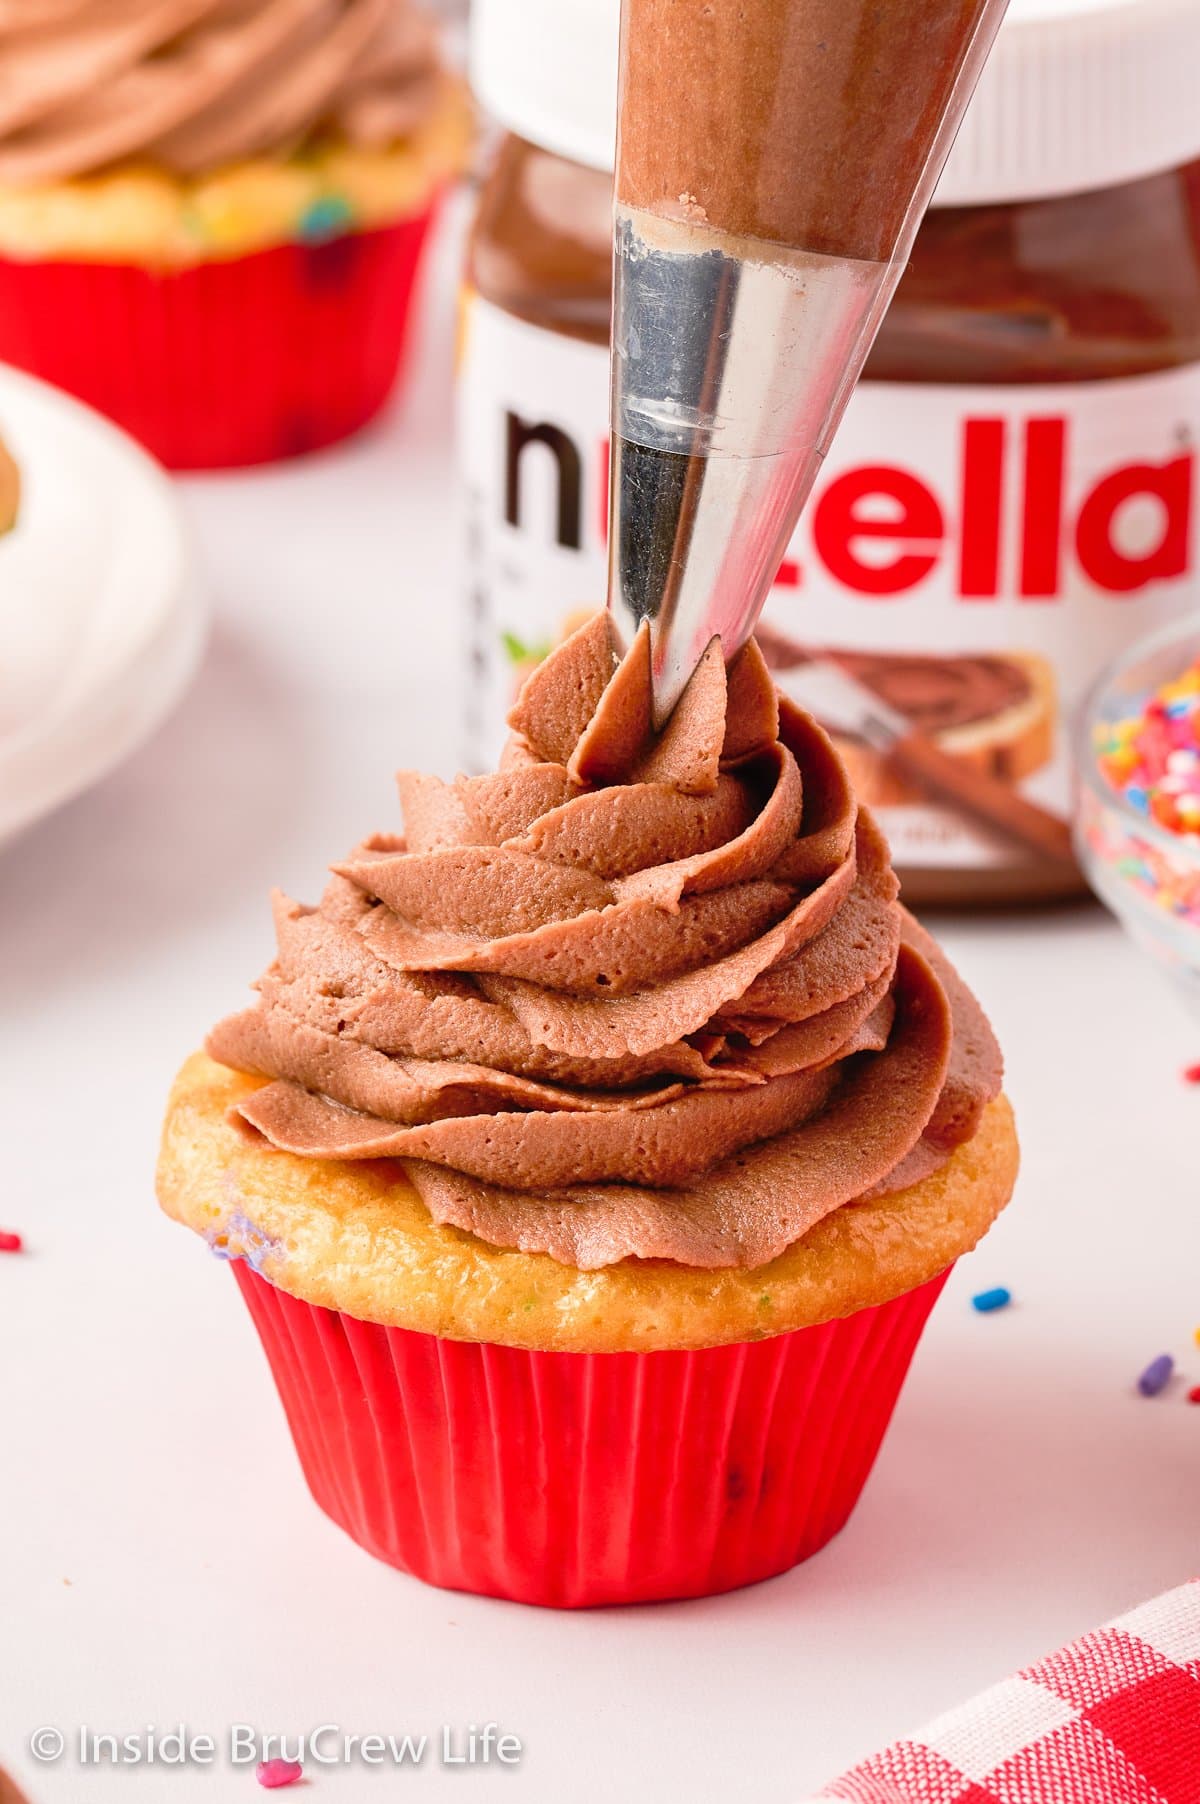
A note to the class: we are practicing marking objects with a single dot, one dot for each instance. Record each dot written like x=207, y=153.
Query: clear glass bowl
x=1148, y=876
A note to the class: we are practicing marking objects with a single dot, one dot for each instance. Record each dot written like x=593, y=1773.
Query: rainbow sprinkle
x=1152, y=761
x=273, y=1773
x=1157, y=1375
x=1153, y=758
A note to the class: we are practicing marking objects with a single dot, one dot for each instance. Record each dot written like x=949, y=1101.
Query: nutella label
x=970, y=558
x=533, y=458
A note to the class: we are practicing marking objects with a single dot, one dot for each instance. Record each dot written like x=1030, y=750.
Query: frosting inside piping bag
x=633, y=995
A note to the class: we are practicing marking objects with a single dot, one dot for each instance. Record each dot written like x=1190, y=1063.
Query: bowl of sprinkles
x=1138, y=818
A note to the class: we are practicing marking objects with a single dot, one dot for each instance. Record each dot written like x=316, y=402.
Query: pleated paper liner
x=574, y=1479
x=227, y=363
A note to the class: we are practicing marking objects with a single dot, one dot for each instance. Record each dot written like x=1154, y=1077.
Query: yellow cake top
x=358, y=1238
x=145, y=215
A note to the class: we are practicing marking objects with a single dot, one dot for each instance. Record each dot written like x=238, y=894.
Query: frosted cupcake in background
x=212, y=211
x=593, y=1156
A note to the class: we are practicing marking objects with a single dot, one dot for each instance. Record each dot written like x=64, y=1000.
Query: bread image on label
x=996, y=712
x=952, y=733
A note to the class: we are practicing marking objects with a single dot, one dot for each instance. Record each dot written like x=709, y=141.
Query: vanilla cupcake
x=212, y=211
x=592, y=1157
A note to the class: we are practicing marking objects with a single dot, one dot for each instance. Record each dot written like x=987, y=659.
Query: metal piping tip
x=731, y=362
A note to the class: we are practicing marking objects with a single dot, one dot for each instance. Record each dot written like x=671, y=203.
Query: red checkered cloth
x=1114, y=1718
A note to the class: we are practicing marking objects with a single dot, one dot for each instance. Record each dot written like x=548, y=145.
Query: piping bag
x=774, y=160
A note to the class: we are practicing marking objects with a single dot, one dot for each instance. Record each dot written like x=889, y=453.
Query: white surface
x=160, y=1560
x=100, y=624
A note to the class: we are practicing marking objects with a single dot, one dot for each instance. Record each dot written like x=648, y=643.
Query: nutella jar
x=1011, y=497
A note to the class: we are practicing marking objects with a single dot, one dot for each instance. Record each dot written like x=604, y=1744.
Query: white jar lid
x=547, y=70
x=1077, y=94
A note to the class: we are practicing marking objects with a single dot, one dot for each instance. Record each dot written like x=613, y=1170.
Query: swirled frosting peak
x=635, y=995
x=193, y=84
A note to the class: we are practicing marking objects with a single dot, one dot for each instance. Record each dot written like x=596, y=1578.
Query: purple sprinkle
x=1157, y=1375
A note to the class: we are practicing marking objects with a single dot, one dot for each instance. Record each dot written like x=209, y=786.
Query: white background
x=161, y=1561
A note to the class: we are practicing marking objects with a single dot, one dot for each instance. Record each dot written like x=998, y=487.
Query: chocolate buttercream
x=761, y=120
x=634, y=995
x=192, y=84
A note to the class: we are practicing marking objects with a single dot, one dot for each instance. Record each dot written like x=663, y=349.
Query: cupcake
x=592, y=1156
x=212, y=211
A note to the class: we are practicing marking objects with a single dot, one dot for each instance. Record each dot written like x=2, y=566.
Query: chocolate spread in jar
x=1013, y=485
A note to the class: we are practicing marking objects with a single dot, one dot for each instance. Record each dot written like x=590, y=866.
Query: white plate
x=100, y=621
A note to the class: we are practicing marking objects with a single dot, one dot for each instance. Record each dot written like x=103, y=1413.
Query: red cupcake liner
x=574, y=1479
x=227, y=363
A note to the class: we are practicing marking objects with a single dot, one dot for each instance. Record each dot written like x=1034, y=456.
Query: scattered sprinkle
x=1191, y=1074
x=1194, y=1394
x=10, y=1243
x=985, y=1301
x=326, y=218
x=274, y=1773
x=1156, y=1376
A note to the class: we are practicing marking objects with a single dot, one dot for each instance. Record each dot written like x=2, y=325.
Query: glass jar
x=1010, y=498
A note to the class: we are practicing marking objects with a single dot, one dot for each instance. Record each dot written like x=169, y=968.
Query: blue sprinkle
x=325, y=219
x=1181, y=708
x=251, y=1243
x=1137, y=797
x=1157, y=1375
x=987, y=1300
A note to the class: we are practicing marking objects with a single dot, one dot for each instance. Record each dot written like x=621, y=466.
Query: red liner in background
x=227, y=363
x=573, y=1479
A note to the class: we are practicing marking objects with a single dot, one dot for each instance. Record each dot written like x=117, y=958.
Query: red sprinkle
x=10, y=1243
x=273, y=1773
x=1191, y=1074
x=1194, y=1394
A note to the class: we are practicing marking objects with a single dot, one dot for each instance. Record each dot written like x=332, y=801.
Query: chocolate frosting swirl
x=192, y=84
x=634, y=995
